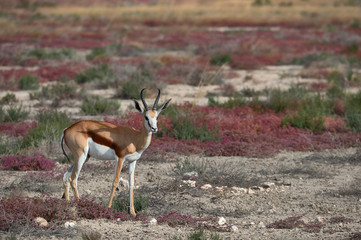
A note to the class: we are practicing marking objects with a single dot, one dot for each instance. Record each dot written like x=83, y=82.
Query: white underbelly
x=100, y=151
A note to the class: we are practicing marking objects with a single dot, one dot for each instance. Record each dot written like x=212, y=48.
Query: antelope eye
x=146, y=118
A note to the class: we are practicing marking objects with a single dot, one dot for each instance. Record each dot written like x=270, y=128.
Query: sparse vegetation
x=29, y=82
x=122, y=204
x=96, y=105
x=99, y=72
x=40, y=53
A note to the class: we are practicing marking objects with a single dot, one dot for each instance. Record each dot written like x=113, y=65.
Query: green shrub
x=187, y=165
x=99, y=72
x=200, y=234
x=8, y=99
x=59, y=91
x=279, y=100
x=143, y=78
x=122, y=204
x=95, y=105
x=98, y=52
x=353, y=111
x=355, y=24
x=29, y=82
x=230, y=103
x=40, y=53
x=103, y=52
x=51, y=125
x=220, y=59
x=13, y=114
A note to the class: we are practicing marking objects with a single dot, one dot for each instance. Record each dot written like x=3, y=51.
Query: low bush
x=122, y=204
x=13, y=114
x=29, y=82
x=40, y=53
x=19, y=211
x=220, y=59
x=51, y=125
x=9, y=98
x=57, y=92
x=187, y=127
x=103, y=52
x=26, y=163
x=18, y=129
x=353, y=111
x=98, y=72
x=96, y=105
x=142, y=78
x=230, y=103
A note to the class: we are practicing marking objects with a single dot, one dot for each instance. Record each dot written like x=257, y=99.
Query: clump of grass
x=220, y=59
x=143, y=77
x=9, y=98
x=57, y=92
x=230, y=103
x=122, y=204
x=29, y=82
x=103, y=52
x=50, y=127
x=13, y=114
x=353, y=111
x=100, y=72
x=201, y=234
x=188, y=127
x=93, y=235
x=63, y=53
x=96, y=105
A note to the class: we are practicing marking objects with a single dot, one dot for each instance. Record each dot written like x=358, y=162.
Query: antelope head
x=151, y=116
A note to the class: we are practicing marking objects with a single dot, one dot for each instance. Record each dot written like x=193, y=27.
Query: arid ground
x=261, y=140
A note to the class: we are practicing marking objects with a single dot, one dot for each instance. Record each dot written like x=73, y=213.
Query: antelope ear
x=137, y=106
x=164, y=106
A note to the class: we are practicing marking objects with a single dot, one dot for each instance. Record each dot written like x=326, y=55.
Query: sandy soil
x=322, y=187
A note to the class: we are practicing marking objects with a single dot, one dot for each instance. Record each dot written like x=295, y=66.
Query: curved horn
x=156, y=101
x=144, y=103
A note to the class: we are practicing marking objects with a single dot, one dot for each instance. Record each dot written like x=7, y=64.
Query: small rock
x=220, y=189
x=41, y=222
x=221, y=221
x=234, y=229
x=250, y=191
x=206, y=186
x=189, y=183
x=123, y=183
x=320, y=219
x=153, y=221
x=88, y=191
x=189, y=175
x=238, y=190
x=268, y=185
x=261, y=225
x=69, y=224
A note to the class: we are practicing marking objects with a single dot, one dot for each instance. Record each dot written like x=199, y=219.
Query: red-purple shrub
x=26, y=163
x=19, y=210
x=18, y=129
x=88, y=208
x=243, y=131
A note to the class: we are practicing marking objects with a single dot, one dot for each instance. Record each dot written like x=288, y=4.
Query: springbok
x=107, y=141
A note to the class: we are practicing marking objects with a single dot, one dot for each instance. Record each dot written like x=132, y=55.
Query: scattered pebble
x=69, y=224
x=123, y=183
x=206, y=186
x=261, y=225
x=234, y=229
x=250, y=191
x=152, y=177
x=221, y=221
x=153, y=221
x=41, y=222
x=189, y=183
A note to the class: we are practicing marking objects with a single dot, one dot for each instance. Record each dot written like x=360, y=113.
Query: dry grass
x=203, y=12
